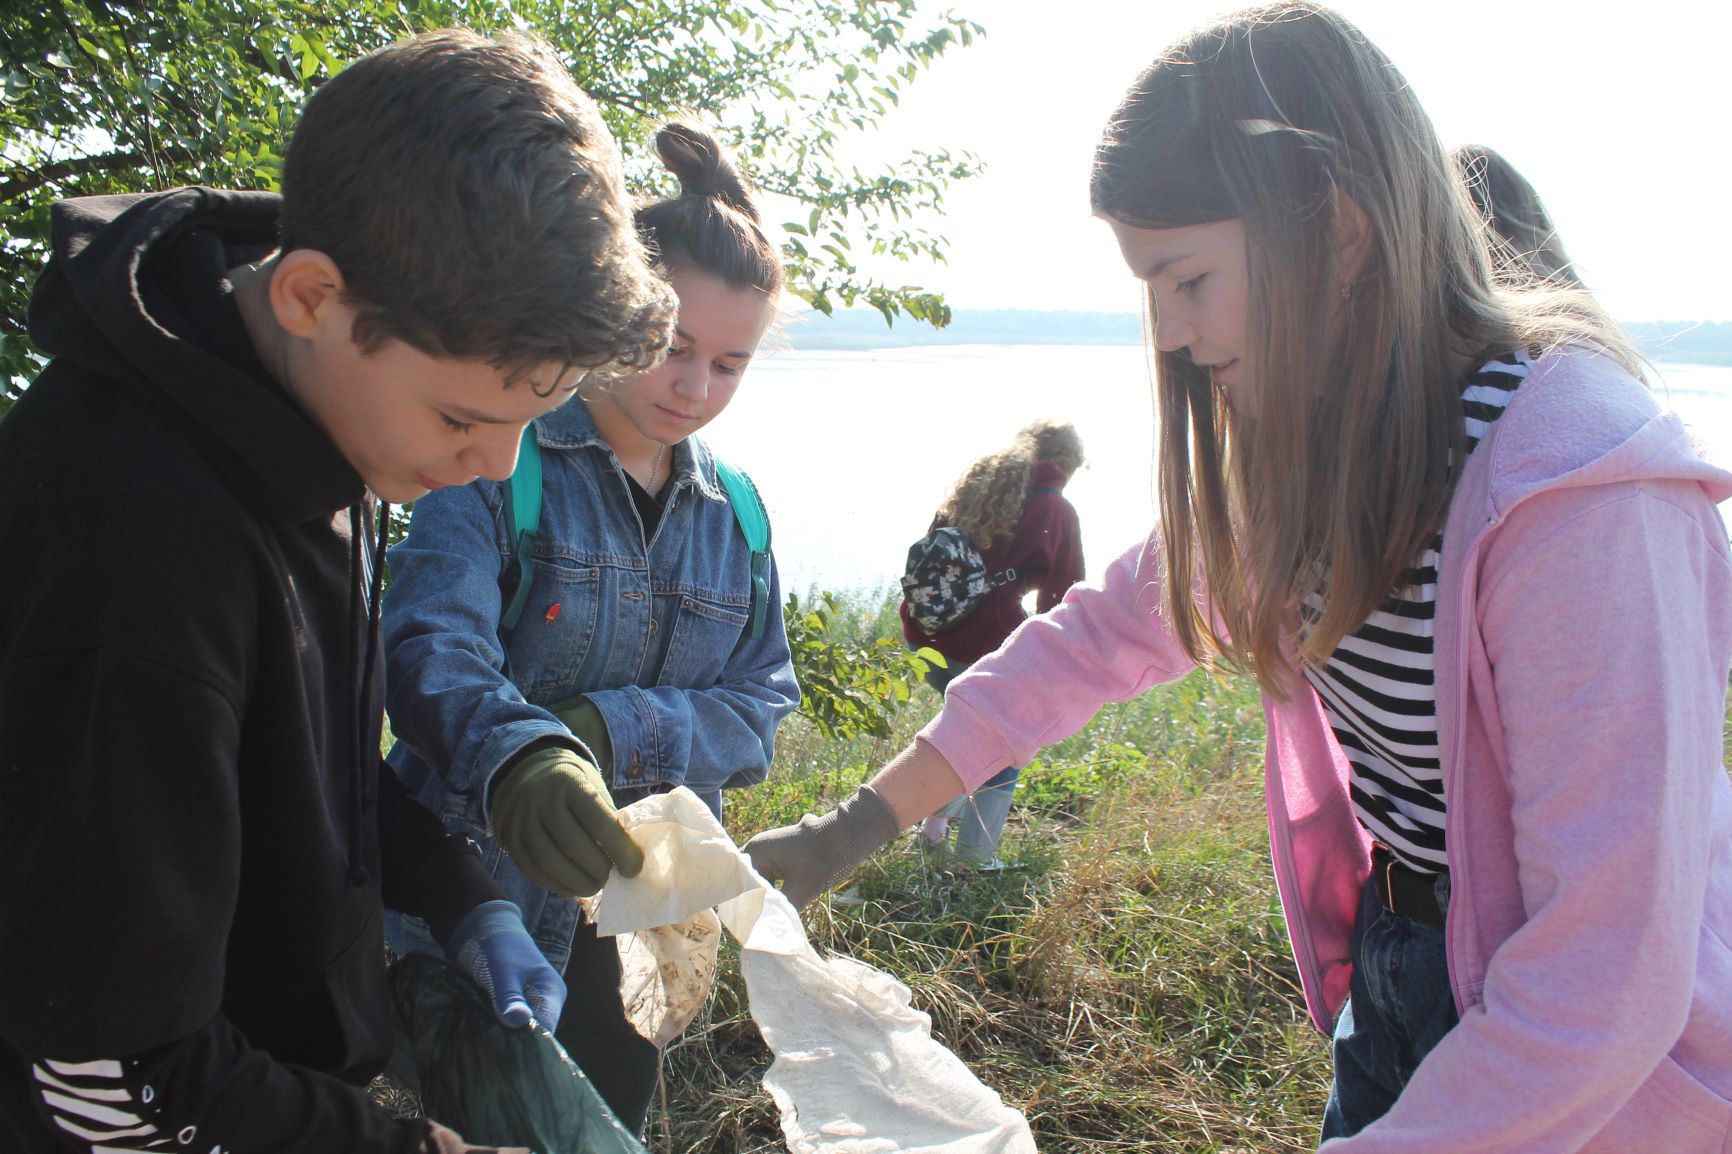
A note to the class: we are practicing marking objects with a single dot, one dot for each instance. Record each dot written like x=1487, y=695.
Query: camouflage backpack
x=945, y=579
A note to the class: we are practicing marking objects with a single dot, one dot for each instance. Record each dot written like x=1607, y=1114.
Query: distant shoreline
x=1676, y=342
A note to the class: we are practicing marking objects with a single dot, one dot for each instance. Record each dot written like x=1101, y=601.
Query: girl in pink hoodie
x=1479, y=575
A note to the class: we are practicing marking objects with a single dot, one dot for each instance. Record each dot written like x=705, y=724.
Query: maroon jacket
x=1045, y=549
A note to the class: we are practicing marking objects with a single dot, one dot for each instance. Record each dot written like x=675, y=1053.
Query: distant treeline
x=865, y=329
x=1679, y=342
x=1684, y=342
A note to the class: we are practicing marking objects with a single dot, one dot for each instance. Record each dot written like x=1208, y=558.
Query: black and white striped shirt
x=1379, y=686
x=93, y=1104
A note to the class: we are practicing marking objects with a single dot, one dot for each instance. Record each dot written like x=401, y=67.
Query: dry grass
x=1127, y=984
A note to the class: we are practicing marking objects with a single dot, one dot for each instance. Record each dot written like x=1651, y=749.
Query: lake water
x=853, y=450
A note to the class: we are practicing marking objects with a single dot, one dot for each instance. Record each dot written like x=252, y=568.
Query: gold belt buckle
x=1388, y=870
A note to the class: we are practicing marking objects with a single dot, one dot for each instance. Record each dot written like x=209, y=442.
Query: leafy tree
x=102, y=96
x=853, y=677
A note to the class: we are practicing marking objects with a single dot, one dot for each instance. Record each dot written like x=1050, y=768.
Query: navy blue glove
x=493, y=950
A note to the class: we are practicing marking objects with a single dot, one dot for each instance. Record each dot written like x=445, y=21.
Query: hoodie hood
x=1047, y=475
x=1580, y=419
x=131, y=293
x=137, y=293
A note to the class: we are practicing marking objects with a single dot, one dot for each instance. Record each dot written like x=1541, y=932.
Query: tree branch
x=29, y=182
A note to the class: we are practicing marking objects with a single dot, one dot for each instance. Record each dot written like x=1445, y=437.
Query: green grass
x=1126, y=984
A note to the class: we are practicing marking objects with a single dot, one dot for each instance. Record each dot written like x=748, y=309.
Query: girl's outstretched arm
x=815, y=853
x=1106, y=642
x=917, y=782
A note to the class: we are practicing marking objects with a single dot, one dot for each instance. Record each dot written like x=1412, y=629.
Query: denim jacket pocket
x=557, y=628
x=704, y=635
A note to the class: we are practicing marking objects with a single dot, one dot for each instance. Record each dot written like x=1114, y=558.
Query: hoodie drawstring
x=358, y=694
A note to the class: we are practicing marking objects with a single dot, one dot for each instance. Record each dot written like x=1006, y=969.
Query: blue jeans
x=1399, y=1007
x=980, y=815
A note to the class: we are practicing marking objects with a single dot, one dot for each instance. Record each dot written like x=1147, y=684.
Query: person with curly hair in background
x=1011, y=505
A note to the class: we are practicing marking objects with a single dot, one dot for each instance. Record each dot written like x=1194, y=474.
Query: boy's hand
x=495, y=952
x=556, y=819
x=813, y=855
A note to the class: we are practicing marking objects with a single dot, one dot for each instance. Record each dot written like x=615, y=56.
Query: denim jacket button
x=653, y=627
x=634, y=768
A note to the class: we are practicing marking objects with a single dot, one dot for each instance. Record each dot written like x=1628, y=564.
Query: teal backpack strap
x=522, y=520
x=755, y=527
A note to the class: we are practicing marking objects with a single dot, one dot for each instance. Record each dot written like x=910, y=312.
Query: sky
x=1617, y=114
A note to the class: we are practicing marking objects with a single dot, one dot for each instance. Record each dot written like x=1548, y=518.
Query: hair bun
x=703, y=167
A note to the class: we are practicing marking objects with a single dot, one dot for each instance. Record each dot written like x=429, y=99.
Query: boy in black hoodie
x=198, y=834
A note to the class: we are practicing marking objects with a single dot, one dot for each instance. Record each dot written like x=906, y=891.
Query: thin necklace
x=655, y=468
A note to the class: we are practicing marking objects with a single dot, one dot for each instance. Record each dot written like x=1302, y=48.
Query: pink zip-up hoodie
x=1584, y=636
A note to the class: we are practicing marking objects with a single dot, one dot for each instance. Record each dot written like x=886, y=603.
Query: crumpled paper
x=856, y=1068
x=666, y=974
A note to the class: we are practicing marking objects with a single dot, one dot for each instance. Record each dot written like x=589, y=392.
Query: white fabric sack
x=856, y=1069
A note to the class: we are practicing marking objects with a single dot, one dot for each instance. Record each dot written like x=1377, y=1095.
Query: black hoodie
x=196, y=832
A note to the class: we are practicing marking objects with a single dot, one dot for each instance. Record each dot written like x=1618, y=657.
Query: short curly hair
x=986, y=501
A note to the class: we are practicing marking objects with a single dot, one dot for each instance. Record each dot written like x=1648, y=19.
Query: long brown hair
x=1522, y=235
x=986, y=501
x=1344, y=474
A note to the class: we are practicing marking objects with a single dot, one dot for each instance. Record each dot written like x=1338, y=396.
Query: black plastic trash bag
x=490, y=1083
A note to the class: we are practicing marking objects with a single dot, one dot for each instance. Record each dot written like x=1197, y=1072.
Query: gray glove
x=810, y=857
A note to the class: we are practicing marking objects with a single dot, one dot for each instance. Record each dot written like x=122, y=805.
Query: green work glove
x=586, y=724
x=810, y=857
x=554, y=816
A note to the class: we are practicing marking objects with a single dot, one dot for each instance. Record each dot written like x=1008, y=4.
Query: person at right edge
x=1522, y=235
x=1011, y=506
x=1478, y=573
x=193, y=506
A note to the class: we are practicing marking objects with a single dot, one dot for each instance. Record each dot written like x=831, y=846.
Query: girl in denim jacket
x=1478, y=573
x=632, y=668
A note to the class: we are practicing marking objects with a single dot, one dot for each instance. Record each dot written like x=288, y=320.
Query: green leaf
x=218, y=85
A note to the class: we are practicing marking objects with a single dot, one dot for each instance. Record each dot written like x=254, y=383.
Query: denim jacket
x=657, y=638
